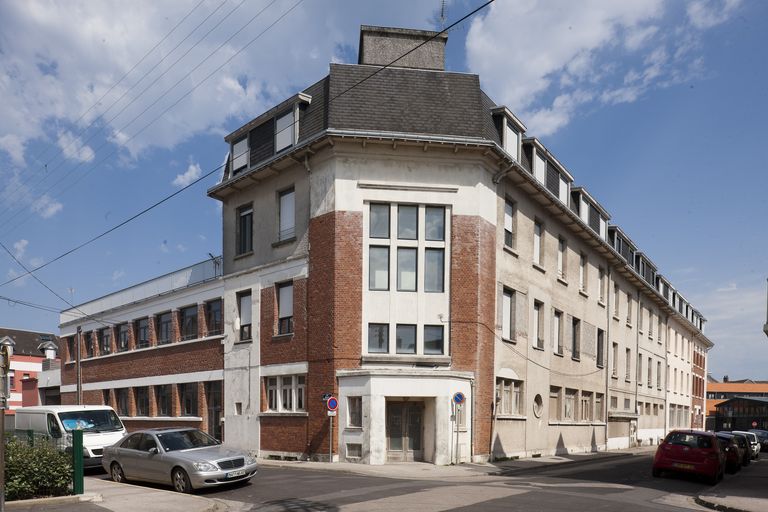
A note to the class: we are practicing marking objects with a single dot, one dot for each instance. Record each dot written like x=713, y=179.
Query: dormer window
x=511, y=140
x=284, y=131
x=239, y=157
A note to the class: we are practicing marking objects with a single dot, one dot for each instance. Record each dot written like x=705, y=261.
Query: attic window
x=284, y=131
x=239, y=155
x=511, y=139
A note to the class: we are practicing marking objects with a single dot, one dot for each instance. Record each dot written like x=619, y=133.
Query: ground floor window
x=286, y=393
x=509, y=396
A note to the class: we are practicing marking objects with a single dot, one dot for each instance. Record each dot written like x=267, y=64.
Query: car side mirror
x=153, y=450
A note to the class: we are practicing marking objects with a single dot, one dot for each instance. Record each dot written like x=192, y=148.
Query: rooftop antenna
x=442, y=15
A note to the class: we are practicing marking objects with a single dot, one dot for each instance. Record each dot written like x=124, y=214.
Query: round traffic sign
x=459, y=398
x=332, y=403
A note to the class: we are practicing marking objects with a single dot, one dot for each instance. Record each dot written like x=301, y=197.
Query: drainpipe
x=608, y=371
x=472, y=433
x=638, y=366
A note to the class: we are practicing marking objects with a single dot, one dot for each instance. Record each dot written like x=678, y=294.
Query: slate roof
x=27, y=341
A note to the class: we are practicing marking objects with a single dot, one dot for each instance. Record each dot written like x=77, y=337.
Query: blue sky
x=656, y=106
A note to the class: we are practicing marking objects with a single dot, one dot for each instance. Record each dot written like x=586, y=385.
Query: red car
x=690, y=451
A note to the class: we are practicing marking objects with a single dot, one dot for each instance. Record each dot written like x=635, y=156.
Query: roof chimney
x=725, y=378
x=380, y=46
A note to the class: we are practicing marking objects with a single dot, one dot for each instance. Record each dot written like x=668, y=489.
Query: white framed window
x=378, y=226
x=599, y=413
x=355, y=411
x=511, y=139
x=629, y=308
x=244, y=304
x=555, y=410
x=284, y=308
x=284, y=131
x=286, y=393
x=434, y=270
x=538, y=246
x=508, y=314
x=600, y=348
x=272, y=401
x=510, y=210
x=616, y=297
x=538, y=324
x=615, y=360
x=601, y=284
x=562, y=258
x=628, y=365
x=287, y=215
x=570, y=405
x=509, y=396
x=650, y=372
x=583, y=272
x=378, y=268
x=587, y=410
x=575, y=338
x=239, y=156
x=406, y=269
x=557, y=332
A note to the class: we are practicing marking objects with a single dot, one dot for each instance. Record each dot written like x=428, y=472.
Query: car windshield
x=100, y=420
x=691, y=440
x=185, y=439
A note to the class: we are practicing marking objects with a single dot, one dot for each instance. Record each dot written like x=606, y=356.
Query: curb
x=75, y=498
x=547, y=467
x=716, y=506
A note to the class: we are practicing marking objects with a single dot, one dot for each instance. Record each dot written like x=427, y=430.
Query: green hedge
x=36, y=471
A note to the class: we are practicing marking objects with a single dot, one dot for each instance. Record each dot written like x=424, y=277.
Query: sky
x=657, y=107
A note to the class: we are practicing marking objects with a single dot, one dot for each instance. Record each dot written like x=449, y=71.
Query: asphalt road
x=622, y=484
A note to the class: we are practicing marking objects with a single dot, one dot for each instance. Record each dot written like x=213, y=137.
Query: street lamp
x=6, y=352
x=765, y=327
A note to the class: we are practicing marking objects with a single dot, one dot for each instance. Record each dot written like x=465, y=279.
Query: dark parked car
x=733, y=454
x=690, y=451
x=744, y=447
x=186, y=458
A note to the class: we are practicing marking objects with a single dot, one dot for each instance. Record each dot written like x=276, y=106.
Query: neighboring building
x=29, y=356
x=390, y=236
x=742, y=413
x=719, y=392
x=152, y=351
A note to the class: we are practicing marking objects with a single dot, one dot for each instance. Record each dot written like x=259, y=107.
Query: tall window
x=628, y=365
x=379, y=221
x=378, y=338
x=586, y=406
x=508, y=314
x=570, y=405
x=509, y=393
x=434, y=270
x=509, y=223
x=163, y=399
x=562, y=249
x=121, y=397
x=434, y=342
x=89, y=344
x=538, y=247
x=601, y=280
x=287, y=215
x=598, y=407
x=284, y=131
x=122, y=337
x=650, y=323
x=406, y=269
x=434, y=223
x=188, y=398
x=189, y=323
x=555, y=411
x=629, y=308
x=616, y=296
x=378, y=268
x=583, y=269
x=538, y=324
x=600, y=348
x=272, y=396
x=557, y=333
x=244, y=303
x=650, y=372
x=105, y=336
x=141, y=397
x=406, y=339
x=285, y=308
x=244, y=230
x=355, y=411
x=213, y=318
x=407, y=222
x=575, y=338
x=658, y=374
x=639, y=369
x=164, y=328
x=239, y=155
x=142, y=333
x=286, y=393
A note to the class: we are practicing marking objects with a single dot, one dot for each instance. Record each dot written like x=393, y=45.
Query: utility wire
x=98, y=101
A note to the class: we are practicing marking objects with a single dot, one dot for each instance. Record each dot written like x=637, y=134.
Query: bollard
x=77, y=462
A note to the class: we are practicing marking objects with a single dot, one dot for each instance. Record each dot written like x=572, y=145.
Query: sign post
x=333, y=405
x=458, y=402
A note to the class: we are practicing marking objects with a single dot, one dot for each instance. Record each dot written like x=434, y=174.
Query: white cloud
x=13, y=274
x=181, y=248
x=36, y=262
x=73, y=148
x=705, y=14
x=14, y=146
x=569, y=56
x=19, y=248
x=192, y=173
x=46, y=206
x=117, y=274
x=164, y=247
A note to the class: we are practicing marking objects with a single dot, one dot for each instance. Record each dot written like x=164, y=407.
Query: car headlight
x=250, y=460
x=204, y=466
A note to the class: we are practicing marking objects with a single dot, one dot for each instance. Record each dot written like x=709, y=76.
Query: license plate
x=233, y=474
x=684, y=466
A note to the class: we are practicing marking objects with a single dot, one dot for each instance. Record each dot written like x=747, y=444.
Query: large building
x=151, y=351
x=392, y=236
x=719, y=392
x=33, y=352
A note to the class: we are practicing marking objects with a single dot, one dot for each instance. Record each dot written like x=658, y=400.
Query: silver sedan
x=187, y=458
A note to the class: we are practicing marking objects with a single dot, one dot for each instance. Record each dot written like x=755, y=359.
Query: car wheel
x=181, y=481
x=116, y=472
x=656, y=473
x=712, y=480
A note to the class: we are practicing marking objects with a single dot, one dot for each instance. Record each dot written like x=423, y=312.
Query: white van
x=100, y=425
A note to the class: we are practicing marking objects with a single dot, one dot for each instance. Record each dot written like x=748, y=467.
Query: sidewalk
x=105, y=495
x=426, y=471
x=745, y=491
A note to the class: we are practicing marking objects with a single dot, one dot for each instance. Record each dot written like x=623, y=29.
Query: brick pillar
x=202, y=322
x=132, y=333
x=202, y=406
x=110, y=398
x=152, y=330
x=131, y=401
x=113, y=338
x=175, y=325
x=175, y=403
x=152, y=409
